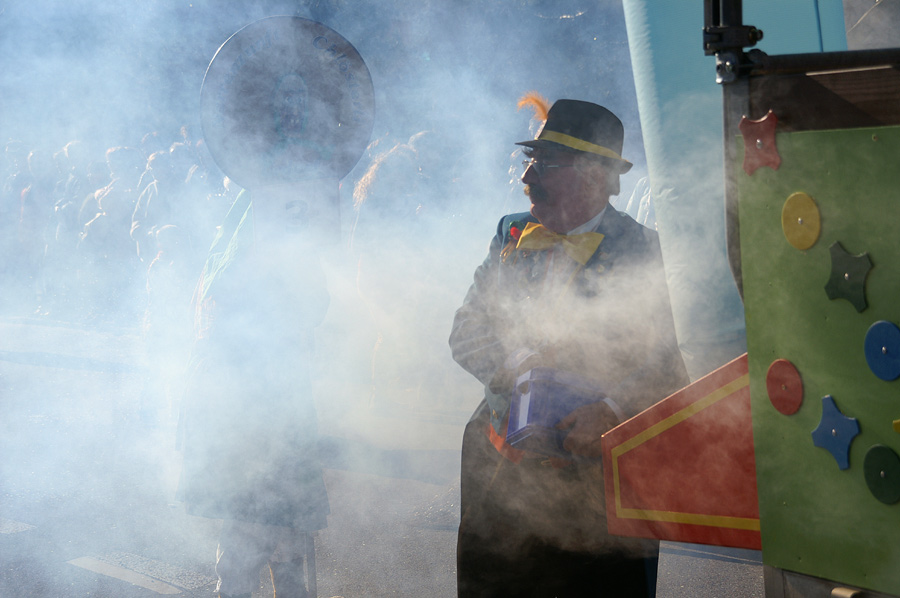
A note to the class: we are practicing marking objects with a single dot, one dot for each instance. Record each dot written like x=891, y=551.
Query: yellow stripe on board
x=746, y=523
x=657, y=429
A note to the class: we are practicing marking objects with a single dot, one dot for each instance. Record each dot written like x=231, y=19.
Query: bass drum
x=284, y=100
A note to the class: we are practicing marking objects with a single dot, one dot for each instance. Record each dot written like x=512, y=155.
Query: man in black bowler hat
x=573, y=292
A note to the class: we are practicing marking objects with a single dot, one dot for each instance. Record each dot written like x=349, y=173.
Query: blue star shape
x=835, y=432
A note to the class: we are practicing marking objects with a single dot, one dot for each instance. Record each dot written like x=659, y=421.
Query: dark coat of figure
x=249, y=422
x=533, y=525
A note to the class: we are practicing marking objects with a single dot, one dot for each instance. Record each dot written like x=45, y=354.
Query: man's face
x=568, y=191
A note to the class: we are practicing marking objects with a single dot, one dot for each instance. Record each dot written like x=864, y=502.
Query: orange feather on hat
x=537, y=102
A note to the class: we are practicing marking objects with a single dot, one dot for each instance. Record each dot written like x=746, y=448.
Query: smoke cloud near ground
x=416, y=215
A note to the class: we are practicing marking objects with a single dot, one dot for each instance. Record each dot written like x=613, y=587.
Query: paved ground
x=86, y=491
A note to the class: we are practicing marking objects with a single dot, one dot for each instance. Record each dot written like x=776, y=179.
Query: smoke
x=97, y=320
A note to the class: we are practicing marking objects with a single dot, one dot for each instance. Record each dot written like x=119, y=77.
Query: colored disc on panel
x=882, y=473
x=800, y=220
x=785, y=387
x=835, y=432
x=882, y=349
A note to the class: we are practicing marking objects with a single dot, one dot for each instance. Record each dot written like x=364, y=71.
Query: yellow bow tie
x=578, y=247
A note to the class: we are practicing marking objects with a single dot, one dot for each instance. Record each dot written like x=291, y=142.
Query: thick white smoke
x=95, y=334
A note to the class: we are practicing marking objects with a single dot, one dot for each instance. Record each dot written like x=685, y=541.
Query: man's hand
x=586, y=424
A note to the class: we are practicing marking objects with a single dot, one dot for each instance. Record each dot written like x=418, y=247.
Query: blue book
x=541, y=398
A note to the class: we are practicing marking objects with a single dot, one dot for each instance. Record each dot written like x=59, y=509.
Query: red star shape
x=759, y=143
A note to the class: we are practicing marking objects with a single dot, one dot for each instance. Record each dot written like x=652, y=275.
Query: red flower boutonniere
x=515, y=231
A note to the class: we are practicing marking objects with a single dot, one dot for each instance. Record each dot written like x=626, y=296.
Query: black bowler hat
x=573, y=125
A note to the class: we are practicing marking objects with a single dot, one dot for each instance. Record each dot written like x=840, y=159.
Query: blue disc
x=883, y=349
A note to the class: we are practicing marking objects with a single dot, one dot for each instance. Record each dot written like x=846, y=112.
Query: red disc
x=784, y=386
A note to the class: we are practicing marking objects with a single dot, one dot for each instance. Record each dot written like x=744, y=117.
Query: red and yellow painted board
x=684, y=470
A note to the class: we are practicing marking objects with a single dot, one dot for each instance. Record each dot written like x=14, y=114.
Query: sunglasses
x=542, y=167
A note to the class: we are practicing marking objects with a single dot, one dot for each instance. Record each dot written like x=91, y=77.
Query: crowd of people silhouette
x=106, y=238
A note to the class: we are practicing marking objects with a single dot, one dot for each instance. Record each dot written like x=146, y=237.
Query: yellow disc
x=800, y=220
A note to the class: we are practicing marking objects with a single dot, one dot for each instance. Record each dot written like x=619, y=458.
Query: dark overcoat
x=249, y=421
x=610, y=322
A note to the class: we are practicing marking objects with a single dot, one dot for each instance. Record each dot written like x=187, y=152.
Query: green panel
x=815, y=518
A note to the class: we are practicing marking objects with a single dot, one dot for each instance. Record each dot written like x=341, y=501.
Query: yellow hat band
x=578, y=144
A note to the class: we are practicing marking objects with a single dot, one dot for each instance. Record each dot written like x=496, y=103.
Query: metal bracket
x=726, y=36
x=718, y=39
x=728, y=66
